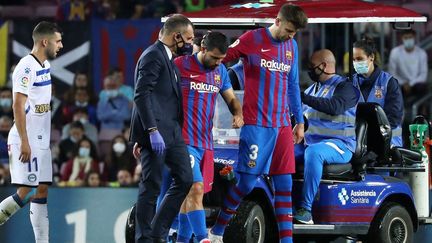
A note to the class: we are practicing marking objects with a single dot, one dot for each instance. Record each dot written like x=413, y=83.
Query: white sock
x=39, y=221
x=8, y=207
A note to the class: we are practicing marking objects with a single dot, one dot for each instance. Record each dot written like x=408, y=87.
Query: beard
x=50, y=54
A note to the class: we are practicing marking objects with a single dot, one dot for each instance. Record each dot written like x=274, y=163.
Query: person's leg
x=177, y=159
x=15, y=202
x=166, y=182
x=184, y=232
x=329, y=152
x=202, y=166
x=245, y=184
x=149, y=189
x=26, y=176
x=39, y=214
x=282, y=165
x=283, y=206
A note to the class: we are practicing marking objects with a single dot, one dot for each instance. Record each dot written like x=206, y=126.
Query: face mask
x=408, y=43
x=83, y=120
x=81, y=104
x=313, y=75
x=112, y=93
x=119, y=148
x=361, y=67
x=84, y=152
x=6, y=102
x=186, y=49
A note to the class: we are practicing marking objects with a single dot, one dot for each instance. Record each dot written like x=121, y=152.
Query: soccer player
x=29, y=138
x=202, y=79
x=270, y=60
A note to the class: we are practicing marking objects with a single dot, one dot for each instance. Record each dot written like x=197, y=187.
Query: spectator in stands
x=105, y=9
x=84, y=161
x=120, y=157
x=93, y=179
x=81, y=81
x=131, y=9
x=6, y=102
x=124, y=178
x=408, y=64
x=5, y=126
x=90, y=130
x=82, y=100
x=116, y=75
x=73, y=10
x=70, y=144
x=112, y=111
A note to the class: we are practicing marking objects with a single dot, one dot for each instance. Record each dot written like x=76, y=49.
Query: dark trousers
x=152, y=224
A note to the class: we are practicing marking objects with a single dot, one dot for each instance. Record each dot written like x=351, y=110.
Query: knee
x=197, y=189
x=196, y=193
x=313, y=156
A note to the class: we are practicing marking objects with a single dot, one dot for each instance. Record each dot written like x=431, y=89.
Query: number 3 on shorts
x=254, y=152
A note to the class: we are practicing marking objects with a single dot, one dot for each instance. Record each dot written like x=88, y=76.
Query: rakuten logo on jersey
x=204, y=88
x=275, y=66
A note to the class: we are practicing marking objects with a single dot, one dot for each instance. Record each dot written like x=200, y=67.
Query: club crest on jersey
x=217, y=78
x=252, y=164
x=325, y=91
x=24, y=82
x=288, y=55
x=27, y=70
x=235, y=43
x=378, y=92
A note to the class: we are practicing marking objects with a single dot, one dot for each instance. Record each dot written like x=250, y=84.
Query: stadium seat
x=11, y=12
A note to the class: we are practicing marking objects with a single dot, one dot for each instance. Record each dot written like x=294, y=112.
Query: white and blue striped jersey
x=33, y=79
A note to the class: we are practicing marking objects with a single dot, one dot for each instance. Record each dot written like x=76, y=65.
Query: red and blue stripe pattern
x=270, y=68
x=200, y=87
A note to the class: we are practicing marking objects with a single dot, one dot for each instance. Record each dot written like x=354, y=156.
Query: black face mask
x=313, y=75
x=186, y=49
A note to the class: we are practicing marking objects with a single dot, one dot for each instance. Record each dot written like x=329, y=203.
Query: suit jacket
x=157, y=98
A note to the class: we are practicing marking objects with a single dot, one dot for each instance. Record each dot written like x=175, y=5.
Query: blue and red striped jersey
x=271, y=85
x=200, y=87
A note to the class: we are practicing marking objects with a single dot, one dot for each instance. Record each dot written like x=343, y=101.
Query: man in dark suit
x=156, y=130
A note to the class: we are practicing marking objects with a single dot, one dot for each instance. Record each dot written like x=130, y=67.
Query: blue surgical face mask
x=84, y=152
x=6, y=102
x=112, y=93
x=408, y=43
x=361, y=67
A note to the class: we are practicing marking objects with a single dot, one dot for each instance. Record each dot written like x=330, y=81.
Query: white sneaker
x=215, y=238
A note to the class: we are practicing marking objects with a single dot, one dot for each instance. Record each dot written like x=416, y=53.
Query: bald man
x=330, y=106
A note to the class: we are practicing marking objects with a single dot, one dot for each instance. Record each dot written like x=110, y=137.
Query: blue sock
x=184, y=232
x=197, y=221
x=283, y=206
x=245, y=184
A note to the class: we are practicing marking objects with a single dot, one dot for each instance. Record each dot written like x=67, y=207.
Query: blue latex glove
x=157, y=142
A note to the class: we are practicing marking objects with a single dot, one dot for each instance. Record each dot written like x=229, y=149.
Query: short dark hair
x=176, y=23
x=77, y=124
x=367, y=44
x=114, y=70
x=294, y=14
x=409, y=32
x=45, y=28
x=214, y=40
